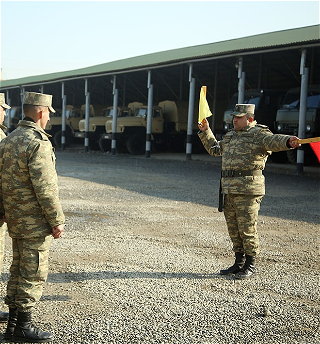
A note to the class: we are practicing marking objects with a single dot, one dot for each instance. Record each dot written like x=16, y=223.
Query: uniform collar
x=34, y=125
x=249, y=126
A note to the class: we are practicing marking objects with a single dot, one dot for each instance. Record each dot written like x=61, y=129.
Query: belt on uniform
x=238, y=173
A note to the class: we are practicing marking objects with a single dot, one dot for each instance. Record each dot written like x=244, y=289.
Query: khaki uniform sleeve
x=44, y=179
x=210, y=143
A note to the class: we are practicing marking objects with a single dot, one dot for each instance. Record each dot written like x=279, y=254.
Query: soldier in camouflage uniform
x=29, y=201
x=244, y=151
x=3, y=225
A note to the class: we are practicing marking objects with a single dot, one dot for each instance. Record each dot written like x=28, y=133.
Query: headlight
x=308, y=128
x=226, y=127
x=279, y=127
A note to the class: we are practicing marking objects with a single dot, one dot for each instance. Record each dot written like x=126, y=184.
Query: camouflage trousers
x=3, y=230
x=241, y=214
x=28, y=272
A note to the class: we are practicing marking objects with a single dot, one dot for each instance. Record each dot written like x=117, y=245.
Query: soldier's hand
x=204, y=125
x=57, y=231
x=293, y=142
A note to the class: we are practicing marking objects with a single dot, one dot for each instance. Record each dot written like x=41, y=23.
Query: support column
x=214, y=105
x=87, y=116
x=304, y=72
x=241, y=82
x=115, y=116
x=63, y=124
x=149, y=116
x=22, y=99
x=192, y=82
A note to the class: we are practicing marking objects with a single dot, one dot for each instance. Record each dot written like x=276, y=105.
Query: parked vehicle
x=15, y=114
x=168, y=128
x=267, y=103
x=97, y=124
x=287, y=120
x=73, y=116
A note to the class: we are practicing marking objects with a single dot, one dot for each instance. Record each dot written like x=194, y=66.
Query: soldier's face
x=240, y=122
x=2, y=114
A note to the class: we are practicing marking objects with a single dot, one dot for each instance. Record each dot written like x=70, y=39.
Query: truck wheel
x=57, y=139
x=105, y=145
x=136, y=144
x=292, y=156
x=309, y=158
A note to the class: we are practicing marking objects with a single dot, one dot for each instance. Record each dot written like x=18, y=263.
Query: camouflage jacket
x=2, y=136
x=247, y=149
x=28, y=182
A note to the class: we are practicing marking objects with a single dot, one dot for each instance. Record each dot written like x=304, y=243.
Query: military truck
x=169, y=128
x=15, y=114
x=73, y=116
x=267, y=103
x=287, y=120
x=97, y=124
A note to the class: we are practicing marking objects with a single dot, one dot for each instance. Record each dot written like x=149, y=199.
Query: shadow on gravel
x=106, y=275
x=192, y=181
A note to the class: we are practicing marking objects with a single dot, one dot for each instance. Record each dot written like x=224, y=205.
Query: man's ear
x=250, y=119
x=40, y=114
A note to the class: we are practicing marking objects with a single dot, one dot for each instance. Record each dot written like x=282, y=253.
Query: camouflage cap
x=243, y=109
x=33, y=98
x=3, y=102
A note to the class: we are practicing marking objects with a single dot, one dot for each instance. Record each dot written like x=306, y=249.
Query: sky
x=41, y=37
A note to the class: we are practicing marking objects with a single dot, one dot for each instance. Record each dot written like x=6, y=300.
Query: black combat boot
x=238, y=264
x=13, y=316
x=248, y=268
x=26, y=332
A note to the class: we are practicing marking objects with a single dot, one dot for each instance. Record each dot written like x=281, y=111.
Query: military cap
x=243, y=109
x=33, y=98
x=3, y=102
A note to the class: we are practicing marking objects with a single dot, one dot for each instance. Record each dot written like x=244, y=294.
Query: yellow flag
x=204, y=110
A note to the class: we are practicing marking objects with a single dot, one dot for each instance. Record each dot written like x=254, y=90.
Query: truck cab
x=266, y=102
x=287, y=119
x=97, y=124
x=168, y=128
x=15, y=114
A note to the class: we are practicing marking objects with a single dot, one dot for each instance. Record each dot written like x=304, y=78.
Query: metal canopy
x=270, y=60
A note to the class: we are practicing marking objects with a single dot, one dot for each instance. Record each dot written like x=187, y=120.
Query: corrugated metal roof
x=310, y=34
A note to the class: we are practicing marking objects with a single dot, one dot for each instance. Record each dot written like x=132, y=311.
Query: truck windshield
x=107, y=112
x=292, y=100
x=248, y=99
x=142, y=112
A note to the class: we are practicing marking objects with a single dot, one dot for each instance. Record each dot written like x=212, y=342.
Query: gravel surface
x=143, y=246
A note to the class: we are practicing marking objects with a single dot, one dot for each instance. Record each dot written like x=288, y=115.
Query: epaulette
x=262, y=126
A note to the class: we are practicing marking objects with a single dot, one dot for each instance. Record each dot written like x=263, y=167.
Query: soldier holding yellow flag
x=244, y=151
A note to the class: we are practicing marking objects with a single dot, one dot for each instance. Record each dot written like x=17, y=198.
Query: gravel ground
x=143, y=246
